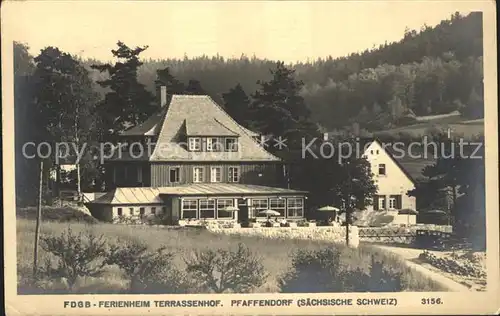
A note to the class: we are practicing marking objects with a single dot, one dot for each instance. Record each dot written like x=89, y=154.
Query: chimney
x=163, y=96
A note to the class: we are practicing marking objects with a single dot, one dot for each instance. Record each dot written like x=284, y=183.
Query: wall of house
x=128, y=174
x=394, y=182
x=269, y=174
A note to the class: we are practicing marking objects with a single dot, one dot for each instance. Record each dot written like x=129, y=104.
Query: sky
x=277, y=30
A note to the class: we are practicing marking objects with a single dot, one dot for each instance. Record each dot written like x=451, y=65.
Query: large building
x=189, y=162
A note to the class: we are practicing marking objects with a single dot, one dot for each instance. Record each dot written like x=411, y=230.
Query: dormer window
x=232, y=144
x=213, y=144
x=194, y=143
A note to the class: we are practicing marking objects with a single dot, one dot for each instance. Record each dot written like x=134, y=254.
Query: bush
x=320, y=271
x=79, y=255
x=148, y=272
x=313, y=272
x=227, y=271
x=65, y=214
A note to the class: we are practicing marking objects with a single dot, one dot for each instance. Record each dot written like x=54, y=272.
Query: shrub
x=320, y=271
x=79, y=255
x=313, y=272
x=148, y=272
x=224, y=270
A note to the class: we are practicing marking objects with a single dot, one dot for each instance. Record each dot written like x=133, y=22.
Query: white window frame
x=297, y=209
x=183, y=208
x=231, y=174
x=381, y=202
x=178, y=174
x=275, y=204
x=213, y=144
x=392, y=203
x=222, y=203
x=200, y=176
x=194, y=143
x=233, y=148
x=256, y=210
x=207, y=205
x=384, y=167
x=213, y=174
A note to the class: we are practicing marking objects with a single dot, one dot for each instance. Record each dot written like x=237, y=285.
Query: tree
x=334, y=180
x=26, y=125
x=65, y=102
x=165, y=78
x=236, y=104
x=194, y=88
x=279, y=109
x=128, y=102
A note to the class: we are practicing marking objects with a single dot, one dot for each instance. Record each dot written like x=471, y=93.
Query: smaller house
x=395, y=174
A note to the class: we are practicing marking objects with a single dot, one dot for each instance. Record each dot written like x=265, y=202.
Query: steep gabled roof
x=410, y=166
x=150, y=127
x=199, y=108
x=203, y=126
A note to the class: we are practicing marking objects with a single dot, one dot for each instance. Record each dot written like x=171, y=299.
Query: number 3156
x=431, y=301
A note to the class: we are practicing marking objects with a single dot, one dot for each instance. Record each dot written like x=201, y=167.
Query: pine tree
x=279, y=109
x=236, y=104
x=165, y=78
x=194, y=88
x=128, y=102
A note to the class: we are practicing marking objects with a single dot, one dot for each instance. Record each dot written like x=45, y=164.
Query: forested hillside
x=434, y=70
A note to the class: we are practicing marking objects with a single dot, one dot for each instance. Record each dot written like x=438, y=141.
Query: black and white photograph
x=260, y=157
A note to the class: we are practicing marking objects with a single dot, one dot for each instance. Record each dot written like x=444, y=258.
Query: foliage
x=237, y=105
x=128, y=102
x=322, y=271
x=79, y=255
x=223, y=270
x=279, y=110
x=148, y=272
x=428, y=70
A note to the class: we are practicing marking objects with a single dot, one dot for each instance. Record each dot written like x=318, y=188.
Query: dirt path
x=410, y=255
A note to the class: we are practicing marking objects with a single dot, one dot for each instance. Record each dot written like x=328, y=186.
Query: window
x=120, y=211
x=174, y=175
x=381, y=169
x=194, y=143
x=221, y=204
x=207, y=208
x=231, y=144
x=131, y=209
x=153, y=210
x=198, y=174
x=215, y=174
x=392, y=203
x=295, y=207
x=395, y=202
x=213, y=144
x=234, y=174
x=259, y=205
x=142, y=211
x=189, y=208
x=381, y=202
x=278, y=205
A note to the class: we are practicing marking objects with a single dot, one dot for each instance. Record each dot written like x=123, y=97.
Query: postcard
x=250, y=157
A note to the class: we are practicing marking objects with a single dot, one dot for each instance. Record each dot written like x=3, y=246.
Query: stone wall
x=324, y=233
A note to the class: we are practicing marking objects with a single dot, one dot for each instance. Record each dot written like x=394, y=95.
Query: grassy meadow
x=275, y=254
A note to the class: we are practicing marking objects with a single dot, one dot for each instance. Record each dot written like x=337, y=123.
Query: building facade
x=190, y=162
